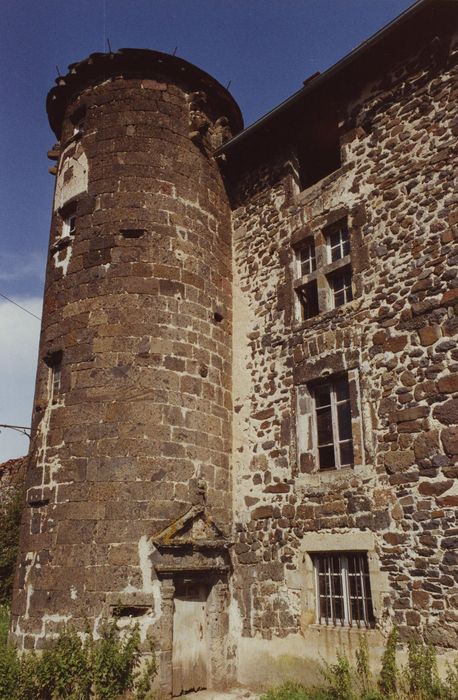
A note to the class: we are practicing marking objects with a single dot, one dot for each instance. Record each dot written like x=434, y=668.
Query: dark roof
x=425, y=18
x=140, y=63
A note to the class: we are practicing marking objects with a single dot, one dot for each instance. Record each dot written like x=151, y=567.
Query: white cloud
x=19, y=336
x=20, y=266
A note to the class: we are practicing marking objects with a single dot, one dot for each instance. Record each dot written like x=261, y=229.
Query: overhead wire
x=20, y=307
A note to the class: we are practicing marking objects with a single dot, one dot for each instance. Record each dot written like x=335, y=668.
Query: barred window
x=343, y=592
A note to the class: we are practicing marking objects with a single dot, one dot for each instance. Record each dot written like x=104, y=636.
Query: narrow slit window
x=343, y=591
x=56, y=380
x=70, y=226
x=54, y=363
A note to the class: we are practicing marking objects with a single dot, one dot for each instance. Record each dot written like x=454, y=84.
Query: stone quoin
x=245, y=421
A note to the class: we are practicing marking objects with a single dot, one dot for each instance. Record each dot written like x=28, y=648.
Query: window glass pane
x=339, y=299
x=344, y=420
x=338, y=282
x=342, y=390
x=327, y=458
x=346, y=454
x=307, y=258
x=323, y=395
x=324, y=426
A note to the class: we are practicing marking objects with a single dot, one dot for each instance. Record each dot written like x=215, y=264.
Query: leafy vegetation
x=78, y=669
x=10, y=518
x=418, y=680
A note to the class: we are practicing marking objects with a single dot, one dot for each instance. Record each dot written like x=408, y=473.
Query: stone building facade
x=245, y=422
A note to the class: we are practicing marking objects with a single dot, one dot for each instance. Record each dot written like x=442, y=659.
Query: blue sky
x=266, y=48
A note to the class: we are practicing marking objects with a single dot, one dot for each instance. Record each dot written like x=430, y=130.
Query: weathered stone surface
x=434, y=488
x=429, y=334
x=188, y=365
x=398, y=460
x=448, y=384
x=426, y=444
x=449, y=437
x=447, y=413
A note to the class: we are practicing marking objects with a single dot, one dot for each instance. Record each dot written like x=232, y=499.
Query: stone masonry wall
x=138, y=315
x=398, y=341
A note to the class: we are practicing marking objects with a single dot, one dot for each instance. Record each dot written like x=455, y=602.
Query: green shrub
x=4, y=624
x=388, y=680
x=339, y=678
x=10, y=519
x=419, y=680
x=421, y=673
x=75, y=669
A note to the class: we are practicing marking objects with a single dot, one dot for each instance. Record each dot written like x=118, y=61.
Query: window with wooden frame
x=54, y=362
x=322, y=271
x=338, y=249
x=338, y=240
x=341, y=287
x=307, y=294
x=343, y=590
x=68, y=218
x=333, y=424
x=329, y=431
x=69, y=226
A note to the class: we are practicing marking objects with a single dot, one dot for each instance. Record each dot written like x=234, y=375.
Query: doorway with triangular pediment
x=191, y=560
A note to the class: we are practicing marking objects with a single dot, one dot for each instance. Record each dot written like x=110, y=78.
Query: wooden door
x=190, y=651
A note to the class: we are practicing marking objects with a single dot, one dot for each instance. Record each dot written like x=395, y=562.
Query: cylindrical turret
x=131, y=427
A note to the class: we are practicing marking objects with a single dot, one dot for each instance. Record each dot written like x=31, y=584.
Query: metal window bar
x=352, y=572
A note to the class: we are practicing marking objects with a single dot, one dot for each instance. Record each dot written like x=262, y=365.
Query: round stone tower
x=128, y=494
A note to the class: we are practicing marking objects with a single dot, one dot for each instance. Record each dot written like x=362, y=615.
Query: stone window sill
x=342, y=629
x=340, y=313
x=331, y=476
x=74, y=138
x=61, y=244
